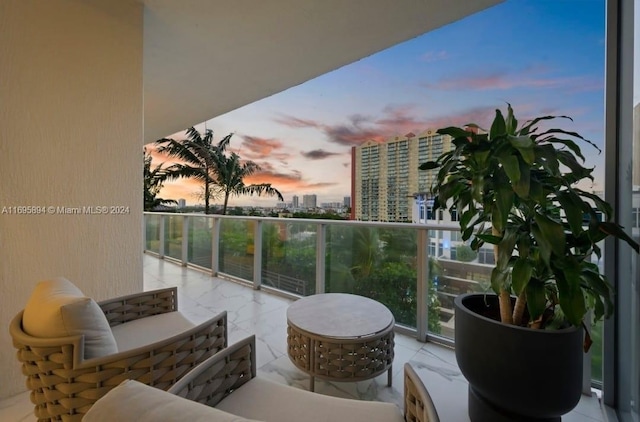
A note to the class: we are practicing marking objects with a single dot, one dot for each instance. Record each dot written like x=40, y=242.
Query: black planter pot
x=515, y=373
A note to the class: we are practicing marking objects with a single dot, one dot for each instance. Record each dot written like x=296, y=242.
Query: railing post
x=422, y=287
x=257, y=255
x=215, y=246
x=320, y=257
x=185, y=241
x=161, y=235
x=145, y=223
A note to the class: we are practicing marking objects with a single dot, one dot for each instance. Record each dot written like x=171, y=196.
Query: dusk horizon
x=547, y=59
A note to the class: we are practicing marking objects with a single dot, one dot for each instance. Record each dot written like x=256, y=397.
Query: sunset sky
x=542, y=56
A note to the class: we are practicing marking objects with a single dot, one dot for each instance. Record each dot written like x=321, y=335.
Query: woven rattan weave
x=418, y=406
x=64, y=385
x=226, y=371
x=362, y=348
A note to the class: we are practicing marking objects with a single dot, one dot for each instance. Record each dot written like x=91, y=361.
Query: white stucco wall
x=70, y=135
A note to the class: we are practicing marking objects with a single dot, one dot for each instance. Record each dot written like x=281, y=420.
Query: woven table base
x=341, y=359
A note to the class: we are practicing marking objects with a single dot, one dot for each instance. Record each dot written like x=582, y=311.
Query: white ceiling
x=203, y=58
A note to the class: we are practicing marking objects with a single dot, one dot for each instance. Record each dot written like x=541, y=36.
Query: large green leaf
x=521, y=274
x=450, y=190
x=525, y=145
x=598, y=284
x=523, y=185
x=498, y=127
x=536, y=192
x=568, y=143
x=454, y=132
x=613, y=229
x=489, y=238
x=536, y=299
x=527, y=128
x=499, y=279
x=569, y=160
x=429, y=165
x=511, y=122
x=506, y=247
x=600, y=204
x=572, y=206
x=544, y=248
x=552, y=231
x=570, y=294
x=481, y=157
x=547, y=156
x=466, y=218
x=502, y=206
x=511, y=168
x=575, y=135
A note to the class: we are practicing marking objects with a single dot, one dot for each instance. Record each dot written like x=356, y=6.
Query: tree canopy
x=203, y=160
x=153, y=182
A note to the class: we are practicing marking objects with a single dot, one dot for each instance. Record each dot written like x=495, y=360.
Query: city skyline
x=547, y=59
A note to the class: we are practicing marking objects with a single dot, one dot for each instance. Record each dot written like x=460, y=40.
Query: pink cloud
x=256, y=148
x=534, y=77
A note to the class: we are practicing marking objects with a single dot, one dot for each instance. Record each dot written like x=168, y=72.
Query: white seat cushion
x=57, y=308
x=132, y=401
x=273, y=402
x=148, y=330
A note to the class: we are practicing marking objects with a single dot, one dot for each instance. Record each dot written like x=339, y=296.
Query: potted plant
x=516, y=188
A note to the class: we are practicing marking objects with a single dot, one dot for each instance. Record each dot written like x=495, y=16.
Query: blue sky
x=542, y=56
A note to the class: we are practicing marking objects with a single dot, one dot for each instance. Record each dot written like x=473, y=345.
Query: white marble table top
x=339, y=315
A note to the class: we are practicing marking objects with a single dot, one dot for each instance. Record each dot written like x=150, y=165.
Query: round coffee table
x=340, y=337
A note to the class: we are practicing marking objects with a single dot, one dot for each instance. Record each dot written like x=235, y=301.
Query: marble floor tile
x=201, y=296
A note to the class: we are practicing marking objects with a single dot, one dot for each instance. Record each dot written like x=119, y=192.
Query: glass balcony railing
x=289, y=256
x=415, y=270
x=173, y=234
x=237, y=247
x=199, y=250
x=152, y=233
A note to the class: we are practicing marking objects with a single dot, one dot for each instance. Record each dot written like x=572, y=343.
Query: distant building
x=309, y=201
x=346, y=202
x=182, y=203
x=444, y=244
x=384, y=176
x=295, y=201
x=331, y=205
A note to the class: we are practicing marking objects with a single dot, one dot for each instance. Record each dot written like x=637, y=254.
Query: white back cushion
x=57, y=308
x=132, y=401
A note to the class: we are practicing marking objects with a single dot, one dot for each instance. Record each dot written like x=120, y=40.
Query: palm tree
x=199, y=156
x=230, y=174
x=153, y=181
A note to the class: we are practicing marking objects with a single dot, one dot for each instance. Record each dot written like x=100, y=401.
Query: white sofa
x=228, y=381
x=74, y=350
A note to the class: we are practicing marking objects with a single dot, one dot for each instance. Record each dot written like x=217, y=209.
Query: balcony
x=241, y=247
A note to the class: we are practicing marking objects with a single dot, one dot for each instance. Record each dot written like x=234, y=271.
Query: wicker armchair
x=64, y=385
x=226, y=372
x=418, y=406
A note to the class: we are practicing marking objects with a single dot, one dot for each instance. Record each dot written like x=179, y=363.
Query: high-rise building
x=385, y=176
x=295, y=201
x=346, y=201
x=309, y=201
x=182, y=203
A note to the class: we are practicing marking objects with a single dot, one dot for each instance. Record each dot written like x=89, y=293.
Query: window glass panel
x=634, y=359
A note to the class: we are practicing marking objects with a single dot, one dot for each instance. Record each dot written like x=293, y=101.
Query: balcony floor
x=201, y=296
